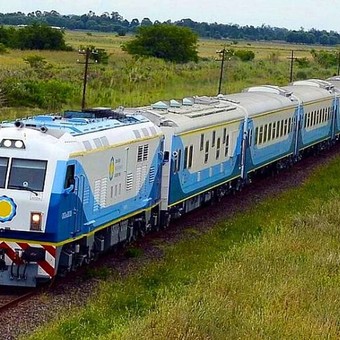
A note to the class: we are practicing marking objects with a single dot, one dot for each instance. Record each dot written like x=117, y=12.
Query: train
x=76, y=184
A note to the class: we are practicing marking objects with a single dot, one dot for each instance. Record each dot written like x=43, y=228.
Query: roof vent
x=174, y=103
x=269, y=89
x=188, y=101
x=160, y=105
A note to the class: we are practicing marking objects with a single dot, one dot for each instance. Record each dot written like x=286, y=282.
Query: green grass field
x=128, y=82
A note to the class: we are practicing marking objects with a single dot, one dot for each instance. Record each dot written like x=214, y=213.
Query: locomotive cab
x=27, y=172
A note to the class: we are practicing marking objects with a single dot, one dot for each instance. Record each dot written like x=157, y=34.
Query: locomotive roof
x=79, y=122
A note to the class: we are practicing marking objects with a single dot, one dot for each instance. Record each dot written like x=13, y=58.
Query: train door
x=298, y=125
x=78, y=203
x=74, y=189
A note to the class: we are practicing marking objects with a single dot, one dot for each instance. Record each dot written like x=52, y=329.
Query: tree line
x=114, y=22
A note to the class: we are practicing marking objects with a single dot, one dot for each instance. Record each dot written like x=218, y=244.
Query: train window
x=319, y=116
x=269, y=132
x=191, y=152
x=3, y=171
x=282, y=128
x=289, y=125
x=69, y=178
x=185, y=158
x=311, y=119
x=27, y=174
x=278, y=129
x=179, y=159
x=256, y=135
x=274, y=130
x=206, y=156
x=265, y=133
x=286, y=127
x=226, y=146
x=218, y=148
x=224, y=135
x=202, y=142
x=250, y=137
x=315, y=117
x=213, y=139
x=261, y=135
x=166, y=156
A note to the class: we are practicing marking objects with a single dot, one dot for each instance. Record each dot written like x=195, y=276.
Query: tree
x=40, y=37
x=172, y=43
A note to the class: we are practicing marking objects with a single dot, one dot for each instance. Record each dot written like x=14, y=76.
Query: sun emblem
x=8, y=209
x=111, y=168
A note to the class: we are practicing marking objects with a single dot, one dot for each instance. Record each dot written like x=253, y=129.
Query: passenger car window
x=27, y=174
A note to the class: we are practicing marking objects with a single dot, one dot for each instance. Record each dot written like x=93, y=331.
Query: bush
x=168, y=42
x=44, y=94
x=245, y=55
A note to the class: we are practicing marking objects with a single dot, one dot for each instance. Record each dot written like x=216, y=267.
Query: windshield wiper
x=21, y=187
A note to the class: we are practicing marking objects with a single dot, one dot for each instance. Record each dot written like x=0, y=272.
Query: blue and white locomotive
x=73, y=186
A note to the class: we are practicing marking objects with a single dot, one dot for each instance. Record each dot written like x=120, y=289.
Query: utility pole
x=222, y=54
x=87, y=52
x=291, y=66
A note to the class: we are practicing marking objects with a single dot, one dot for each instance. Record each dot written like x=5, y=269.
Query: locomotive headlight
x=36, y=219
x=19, y=144
x=12, y=143
x=7, y=143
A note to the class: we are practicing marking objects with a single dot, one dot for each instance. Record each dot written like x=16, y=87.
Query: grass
x=270, y=272
x=128, y=82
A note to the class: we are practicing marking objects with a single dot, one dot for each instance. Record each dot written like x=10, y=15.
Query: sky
x=291, y=14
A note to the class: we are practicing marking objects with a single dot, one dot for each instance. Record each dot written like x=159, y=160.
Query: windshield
x=27, y=174
x=3, y=171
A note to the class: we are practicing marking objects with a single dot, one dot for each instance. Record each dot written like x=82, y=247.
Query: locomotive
x=75, y=185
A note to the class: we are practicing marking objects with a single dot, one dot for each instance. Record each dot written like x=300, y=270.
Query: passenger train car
x=75, y=185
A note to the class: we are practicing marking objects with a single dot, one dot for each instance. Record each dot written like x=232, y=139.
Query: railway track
x=11, y=298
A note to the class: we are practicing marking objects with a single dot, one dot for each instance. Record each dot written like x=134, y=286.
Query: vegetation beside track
x=272, y=271
x=55, y=82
